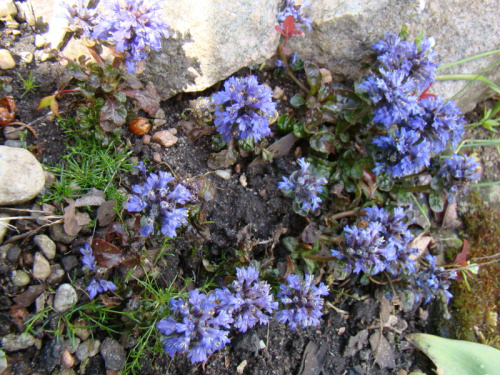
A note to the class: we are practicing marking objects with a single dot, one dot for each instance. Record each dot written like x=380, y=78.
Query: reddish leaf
x=7, y=110
x=49, y=101
x=131, y=260
x=289, y=28
x=148, y=98
x=106, y=254
x=117, y=234
x=113, y=115
x=425, y=95
x=462, y=257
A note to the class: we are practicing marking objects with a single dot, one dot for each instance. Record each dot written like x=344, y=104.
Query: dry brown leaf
x=93, y=198
x=450, y=220
x=105, y=213
x=420, y=242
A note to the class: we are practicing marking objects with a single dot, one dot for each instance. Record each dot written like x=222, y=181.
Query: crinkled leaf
x=321, y=167
x=7, y=110
x=290, y=243
x=113, y=115
x=117, y=234
x=148, y=98
x=324, y=92
x=76, y=71
x=313, y=76
x=106, y=254
x=314, y=118
x=298, y=130
x=285, y=123
x=297, y=100
x=222, y=160
x=436, y=201
x=298, y=64
x=323, y=142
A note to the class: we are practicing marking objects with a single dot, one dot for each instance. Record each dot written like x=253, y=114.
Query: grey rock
x=3, y=226
x=13, y=143
x=11, y=132
x=46, y=245
x=56, y=274
x=69, y=262
x=88, y=348
x=3, y=361
x=65, y=298
x=21, y=176
x=72, y=345
x=41, y=267
x=382, y=351
x=6, y=322
x=20, y=278
x=14, y=342
x=113, y=354
x=6, y=60
x=4, y=266
x=13, y=254
x=50, y=355
x=348, y=29
x=58, y=234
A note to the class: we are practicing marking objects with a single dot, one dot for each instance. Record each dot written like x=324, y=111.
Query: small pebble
x=11, y=132
x=146, y=139
x=72, y=345
x=160, y=114
x=69, y=262
x=41, y=267
x=20, y=278
x=159, y=122
x=243, y=180
x=224, y=174
x=65, y=298
x=237, y=168
x=3, y=228
x=13, y=143
x=14, y=342
x=157, y=157
x=67, y=360
x=26, y=57
x=278, y=93
x=173, y=131
x=113, y=354
x=46, y=245
x=39, y=41
x=56, y=274
x=165, y=138
x=13, y=254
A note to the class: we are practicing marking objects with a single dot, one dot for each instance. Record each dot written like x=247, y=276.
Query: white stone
x=41, y=267
x=225, y=174
x=6, y=60
x=7, y=10
x=3, y=226
x=3, y=362
x=20, y=278
x=21, y=176
x=40, y=41
x=26, y=57
x=65, y=298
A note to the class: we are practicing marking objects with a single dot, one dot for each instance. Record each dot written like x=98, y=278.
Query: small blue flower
x=199, y=327
x=304, y=188
x=243, y=109
x=458, y=172
x=81, y=19
x=438, y=122
x=295, y=11
x=133, y=28
x=302, y=302
x=160, y=203
x=248, y=298
x=98, y=286
x=432, y=281
x=88, y=259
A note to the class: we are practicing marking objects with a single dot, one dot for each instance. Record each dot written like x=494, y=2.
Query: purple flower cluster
x=295, y=11
x=304, y=188
x=200, y=326
x=97, y=285
x=431, y=281
x=302, y=301
x=458, y=172
x=424, y=125
x=81, y=19
x=132, y=28
x=401, y=154
x=203, y=328
x=158, y=200
x=247, y=298
x=243, y=109
x=383, y=245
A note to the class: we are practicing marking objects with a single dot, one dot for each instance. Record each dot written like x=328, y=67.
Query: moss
x=476, y=310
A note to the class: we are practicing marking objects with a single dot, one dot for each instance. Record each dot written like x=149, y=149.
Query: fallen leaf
x=27, y=298
x=106, y=254
x=106, y=213
x=450, y=220
x=110, y=301
x=93, y=198
x=7, y=110
x=82, y=220
x=420, y=242
x=71, y=226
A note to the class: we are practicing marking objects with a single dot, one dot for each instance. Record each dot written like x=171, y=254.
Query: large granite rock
x=344, y=31
x=215, y=38
x=21, y=176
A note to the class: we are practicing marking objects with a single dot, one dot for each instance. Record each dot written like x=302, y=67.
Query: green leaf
x=314, y=118
x=457, y=357
x=324, y=92
x=344, y=137
x=285, y=123
x=356, y=171
x=290, y=243
x=298, y=64
x=298, y=130
x=385, y=181
x=297, y=100
x=120, y=96
x=323, y=142
x=246, y=144
x=313, y=76
x=436, y=201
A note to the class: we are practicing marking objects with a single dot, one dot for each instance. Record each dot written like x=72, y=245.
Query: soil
x=238, y=215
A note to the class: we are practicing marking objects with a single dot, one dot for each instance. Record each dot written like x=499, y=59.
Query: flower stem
x=289, y=71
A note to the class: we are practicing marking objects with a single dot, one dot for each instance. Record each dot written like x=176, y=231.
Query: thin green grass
x=28, y=83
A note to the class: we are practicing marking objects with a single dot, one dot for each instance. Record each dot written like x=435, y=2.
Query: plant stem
x=289, y=71
x=341, y=215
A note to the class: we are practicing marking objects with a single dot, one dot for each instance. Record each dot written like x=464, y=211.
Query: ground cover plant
x=167, y=278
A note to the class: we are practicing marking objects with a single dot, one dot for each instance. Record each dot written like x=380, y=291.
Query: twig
x=31, y=232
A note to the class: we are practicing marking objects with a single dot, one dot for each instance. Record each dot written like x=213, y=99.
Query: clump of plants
x=111, y=96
